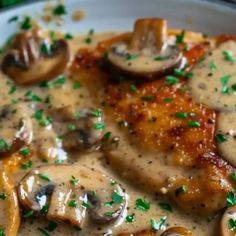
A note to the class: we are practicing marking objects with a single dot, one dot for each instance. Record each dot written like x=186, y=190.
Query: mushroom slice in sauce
x=214, y=79
x=147, y=54
x=72, y=192
x=141, y=233
x=227, y=221
x=26, y=62
x=86, y=127
x=177, y=231
x=15, y=127
x=226, y=136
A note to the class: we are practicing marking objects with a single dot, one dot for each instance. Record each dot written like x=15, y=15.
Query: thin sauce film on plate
x=117, y=133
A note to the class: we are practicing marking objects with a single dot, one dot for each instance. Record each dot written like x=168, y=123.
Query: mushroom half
x=177, y=231
x=148, y=53
x=71, y=192
x=227, y=225
x=15, y=127
x=31, y=60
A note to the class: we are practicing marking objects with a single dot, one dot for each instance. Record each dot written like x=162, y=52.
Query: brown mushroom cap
x=72, y=191
x=147, y=54
x=177, y=231
x=225, y=225
x=26, y=63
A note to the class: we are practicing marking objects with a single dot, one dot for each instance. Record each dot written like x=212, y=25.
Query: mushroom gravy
x=138, y=169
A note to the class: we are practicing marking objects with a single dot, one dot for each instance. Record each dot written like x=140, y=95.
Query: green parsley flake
x=232, y=225
x=76, y=85
x=212, y=67
x=107, y=135
x=32, y=97
x=44, y=209
x=3, y=196
x=2, y=232
x=44, y=177
x=142, y=204
x=180, y=37
x=71, y=127
x=168, y=100
x=133, y=88
x=28, y=214
x=181, y=190
x=116, y=198
x=12, y=90
x=220, y=138
x=148, y=98
x=24, y=151
x=85, y=205
x=52, y=225
x=233, y=175
x=161, y=58
x=130, y=218
x=73, y=180
x=158, y=225
x=230, y=199
x=27, y=165
x=4, y=146
x=165, y=206
x=108, y=204
x=224, y=81
x=13, y=19
x=229, y=56
x=68, y=36
x=43, y=231
x=96, y=113
x=99, y=126
x=233, y=87
x=72, y=203
x=42, y=120
x=26, y=24
x=131, y=57
x=181, y=115
x=171, y=80
x=193, y=124
x=88, y=40
x=59, y=10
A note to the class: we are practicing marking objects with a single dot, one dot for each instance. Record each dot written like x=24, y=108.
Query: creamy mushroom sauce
x=79, y=98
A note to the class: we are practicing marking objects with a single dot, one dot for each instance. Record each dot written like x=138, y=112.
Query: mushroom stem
x=149, y=33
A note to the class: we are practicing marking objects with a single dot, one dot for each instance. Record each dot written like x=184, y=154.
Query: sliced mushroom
x=72, y=192
x=147, y=54
x=227, y=222
x=15, y=127
x=141, y=233
x=81, y=130
x=26, y=62
x=177, y=231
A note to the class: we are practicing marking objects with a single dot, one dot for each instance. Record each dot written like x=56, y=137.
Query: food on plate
x=127, y=133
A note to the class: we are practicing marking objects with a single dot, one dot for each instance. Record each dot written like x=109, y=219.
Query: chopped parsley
x=96, y=113
x=161, y=58
x=88, y=40
x=73, y=180
x=13, y=19
x=3, y=145
x=224, y=81
x=2, y=232
x=99, y=126
x=142, y=204
x=12, y=89
x=212, y=67
x=147, y=98
x=171, y=80
x=168, y=100
x=76, y=85
x=86, y=205
x=180, y=37
x=233, y=175
x=116, y=198
x=41, y=118
x=28, y=214
x=52, y=225
x=72, y=203
x=230, y=199
x=158, y=225
x=131, y=57
x=232, y=225
x=3, y=196
x=25, y=151
x=133, y=88
x=44, y=209
x=107, y=135
x=165, y=206
x=68, y=36
x=57, y=83
x=44, y=177
x=193, y=124
x=71, y=127
x=59, y=10
x=180, y=190
x=130, y=218
x=220, y=138
x=26, y=165
x=32, y=97
x=229, y=56
x=181, y=115
x=233, y=87
x=43, y=231
x=26, y=24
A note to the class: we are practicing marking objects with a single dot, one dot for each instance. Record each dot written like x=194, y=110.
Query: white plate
x=101, y=15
